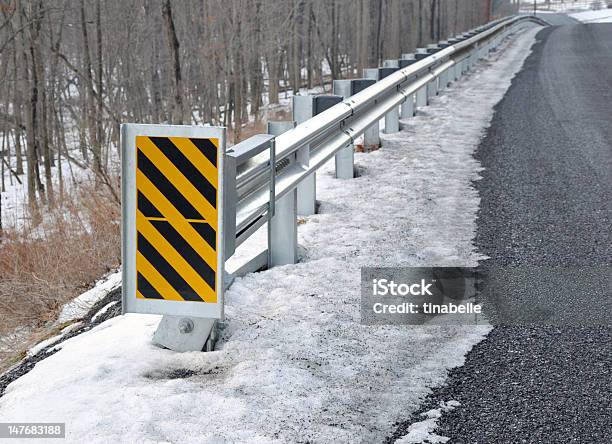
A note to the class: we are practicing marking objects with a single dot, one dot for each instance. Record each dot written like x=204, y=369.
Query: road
x=546, y=195
x=557, y=19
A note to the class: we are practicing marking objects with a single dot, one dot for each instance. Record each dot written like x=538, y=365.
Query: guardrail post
x=371, y=136
x=455, y=70
x=392, y=117
x=421, y=97
x=307, y=189
x=408, y=105
x=432, y=86
x=305, y=107
x=421, y=94
x=445, y=77
x=282, y=228
x=345, y=158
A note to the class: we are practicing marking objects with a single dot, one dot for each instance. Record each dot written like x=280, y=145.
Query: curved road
x=545, y=375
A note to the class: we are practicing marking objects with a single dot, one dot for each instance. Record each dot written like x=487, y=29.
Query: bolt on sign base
x=172, y=228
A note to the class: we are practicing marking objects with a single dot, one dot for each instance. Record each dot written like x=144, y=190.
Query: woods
x=72, y=70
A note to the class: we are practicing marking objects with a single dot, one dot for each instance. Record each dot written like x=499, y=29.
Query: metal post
x=307, y=189
x=392, y=121
x=408, y=107
x=345, y=158
x=432, y=89
x=443, y=82
x=305, y=107
x=457, y=70
x=371, y=136
x=392, y=117
x=282, y=228
x=421, y=97
x=420, y=53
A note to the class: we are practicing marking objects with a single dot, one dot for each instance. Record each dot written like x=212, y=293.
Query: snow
x=556, y=6
x=601, y=16
x=293, y=362
x=103, y=310
x=78, y=307
x=54, y=339
x=423, y=431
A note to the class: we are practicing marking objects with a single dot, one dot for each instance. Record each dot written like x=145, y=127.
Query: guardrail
x=269, y=178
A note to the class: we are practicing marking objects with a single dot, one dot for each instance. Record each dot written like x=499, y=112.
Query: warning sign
x=172, y=225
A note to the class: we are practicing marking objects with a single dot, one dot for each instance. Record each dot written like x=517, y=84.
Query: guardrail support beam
x=408, y=107
x=307, y=189
x=421, y=97
x=282, y=229
x=371, y=136
x=432, y=89
x=392, y=121
x=345, y=158
x=392, y=117
x=304, y=108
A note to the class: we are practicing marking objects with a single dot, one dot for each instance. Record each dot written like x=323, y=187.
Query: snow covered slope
x=601, y=16
x=294, y=363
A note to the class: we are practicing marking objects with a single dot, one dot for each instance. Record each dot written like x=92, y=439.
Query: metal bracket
x=272, y=200
x=186, y=333
x=272, y=163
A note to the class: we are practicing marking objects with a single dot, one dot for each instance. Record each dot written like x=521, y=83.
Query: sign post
x=172, y=230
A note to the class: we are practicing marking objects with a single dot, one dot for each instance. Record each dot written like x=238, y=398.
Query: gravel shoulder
x=546, y=193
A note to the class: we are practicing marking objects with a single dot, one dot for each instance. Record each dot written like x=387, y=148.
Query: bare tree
x=178, y=111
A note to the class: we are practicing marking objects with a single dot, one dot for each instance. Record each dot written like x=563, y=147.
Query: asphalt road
x=557, y=19
x=545, y=210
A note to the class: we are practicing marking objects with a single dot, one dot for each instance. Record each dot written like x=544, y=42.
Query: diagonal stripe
x=188, y=253
x=199, y=160
x=178, y=263
x=186, y=167
x=206, y=232
x=178, y=201
x=144, y=287
x=165, y=269
x=166, y=187
x=183, y=184
x=208, y=148
x=183, y=227
x=155, y=279
x=147, y=207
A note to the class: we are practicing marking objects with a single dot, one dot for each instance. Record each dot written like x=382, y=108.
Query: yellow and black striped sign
x=176, y=218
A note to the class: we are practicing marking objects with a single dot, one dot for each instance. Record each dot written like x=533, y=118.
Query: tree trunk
x=17, y=106
x=178, y=111
x=91, y=108
x=43, y=126
x=99, y=112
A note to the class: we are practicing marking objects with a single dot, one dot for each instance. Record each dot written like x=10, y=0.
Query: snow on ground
x=601, y=16
x=293, y=362
x=80, y=306
x=555, y=6
x=423, y=431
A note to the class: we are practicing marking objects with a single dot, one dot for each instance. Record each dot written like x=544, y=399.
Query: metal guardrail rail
x=260, y=187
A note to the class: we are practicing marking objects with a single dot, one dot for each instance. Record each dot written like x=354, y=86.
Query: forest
x=71, y=71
